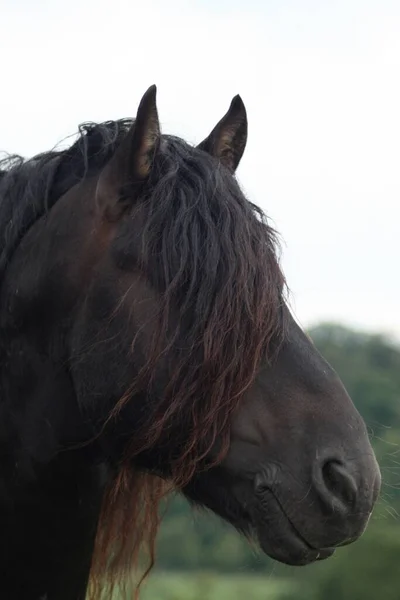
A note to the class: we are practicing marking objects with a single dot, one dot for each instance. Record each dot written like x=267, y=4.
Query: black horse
x=146, y=346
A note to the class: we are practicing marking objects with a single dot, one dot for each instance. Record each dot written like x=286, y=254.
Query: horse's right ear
x=133, y=159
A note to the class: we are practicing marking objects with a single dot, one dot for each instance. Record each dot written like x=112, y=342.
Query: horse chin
x=287, y=546
x=279, y=539
x=292, y=550
x=261, y=519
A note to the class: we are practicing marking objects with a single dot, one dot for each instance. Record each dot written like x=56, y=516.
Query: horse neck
x=41, y=290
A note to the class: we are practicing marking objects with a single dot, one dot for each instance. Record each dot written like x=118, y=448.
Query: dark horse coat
x=145, y=345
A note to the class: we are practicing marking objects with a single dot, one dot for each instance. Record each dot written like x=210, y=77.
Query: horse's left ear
x=132, y=161
x=227, y=140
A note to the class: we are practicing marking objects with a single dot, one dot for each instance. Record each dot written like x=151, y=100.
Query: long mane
x=213, y=257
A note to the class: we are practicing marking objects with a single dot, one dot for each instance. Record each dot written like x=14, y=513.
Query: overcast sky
x=321, y=83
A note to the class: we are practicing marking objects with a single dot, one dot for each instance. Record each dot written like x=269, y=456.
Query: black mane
x=29, y=188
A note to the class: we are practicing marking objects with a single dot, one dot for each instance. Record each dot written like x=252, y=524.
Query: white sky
x=321, y=83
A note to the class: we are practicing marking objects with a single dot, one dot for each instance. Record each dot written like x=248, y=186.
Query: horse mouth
x=279, y=538
x=259, y=517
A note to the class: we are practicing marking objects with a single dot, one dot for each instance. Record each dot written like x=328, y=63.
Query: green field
x=204, y=586
x=163, y=585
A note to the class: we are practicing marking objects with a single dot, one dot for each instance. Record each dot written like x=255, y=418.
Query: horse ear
x=227, y=140
x=132, y=161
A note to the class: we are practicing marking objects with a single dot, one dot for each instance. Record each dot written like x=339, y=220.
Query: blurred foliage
x=369, y=366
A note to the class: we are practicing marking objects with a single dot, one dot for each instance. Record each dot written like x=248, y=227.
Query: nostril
x=336, y=486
